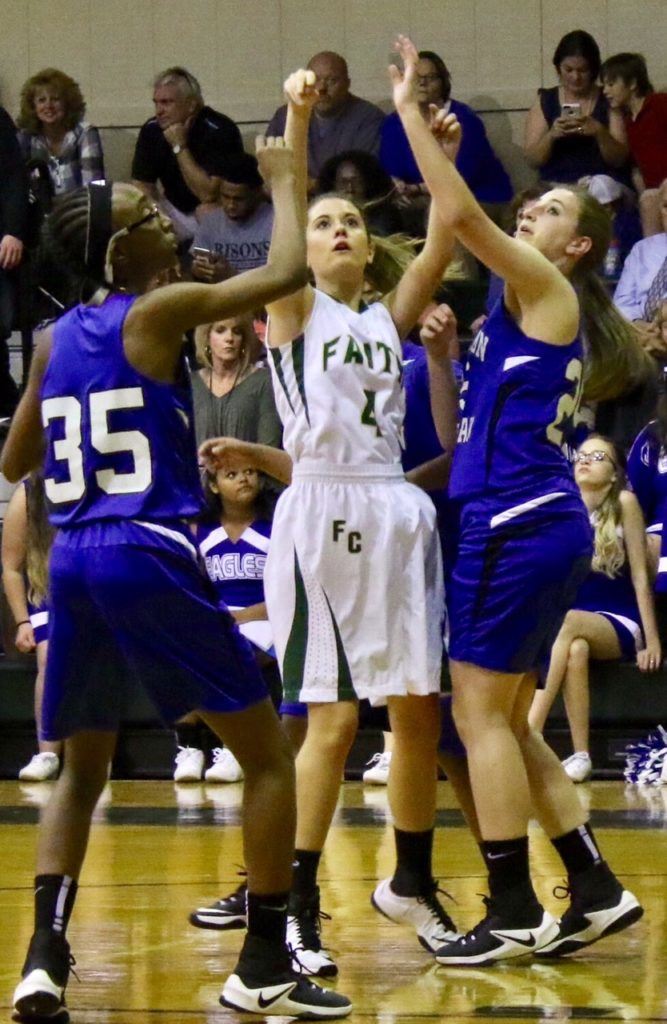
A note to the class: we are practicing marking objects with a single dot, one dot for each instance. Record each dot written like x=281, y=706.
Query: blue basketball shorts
x=131, y=607
x=514, y=578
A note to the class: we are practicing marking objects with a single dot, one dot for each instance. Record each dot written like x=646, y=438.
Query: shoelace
x=72, y=964
x=431, y=901
x=472, y=934
x=309, y=936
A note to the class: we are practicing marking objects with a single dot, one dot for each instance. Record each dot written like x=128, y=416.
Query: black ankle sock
x=414, y=873
x=306, y=864
x=267, y=916
x=187, y=735
x=578, y=850
x=507, y=863
x=54, y=900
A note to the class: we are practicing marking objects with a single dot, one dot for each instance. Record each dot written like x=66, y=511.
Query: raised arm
x=231, y=453
x=421, y=280
x=533, y=279
x=154, y=328
x=23, y=450
x=289, y=314
x=437, y=335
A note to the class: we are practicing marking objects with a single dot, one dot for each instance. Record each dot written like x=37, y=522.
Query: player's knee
x=579, y=652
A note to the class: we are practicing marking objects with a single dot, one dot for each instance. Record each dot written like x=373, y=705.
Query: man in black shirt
x=13, y=227
x=184, y=148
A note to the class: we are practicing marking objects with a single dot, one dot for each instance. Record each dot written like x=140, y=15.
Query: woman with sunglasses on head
x=613, y=615
x=524, y=542
x=129, y=602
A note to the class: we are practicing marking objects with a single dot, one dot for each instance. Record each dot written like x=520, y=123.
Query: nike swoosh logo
x=529, y=942
x=273, y=999
x=497, y=856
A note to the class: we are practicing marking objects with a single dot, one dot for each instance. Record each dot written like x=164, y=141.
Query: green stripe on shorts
x=345, y=687
x=294, y=661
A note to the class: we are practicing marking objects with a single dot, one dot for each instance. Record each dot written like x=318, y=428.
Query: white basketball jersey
x=338, y=386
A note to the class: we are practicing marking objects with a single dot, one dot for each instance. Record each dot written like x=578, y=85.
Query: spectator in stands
x=643, y=281
x=13, y=231
x=26, y=543
x=628, y=89
x=613, y=616
x=236, y=235
x=341, y=121
x=570, y=130
x=183, y=147
x=231, y=397
x=361, y=176
x=476, y=162
x=53, y=131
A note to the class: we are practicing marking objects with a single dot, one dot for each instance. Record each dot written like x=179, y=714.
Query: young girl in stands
x=233, y=539
x=524, y=542
x=613, y=616
x=26, y=541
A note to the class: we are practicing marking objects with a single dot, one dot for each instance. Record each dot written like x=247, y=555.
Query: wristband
x=23, y=622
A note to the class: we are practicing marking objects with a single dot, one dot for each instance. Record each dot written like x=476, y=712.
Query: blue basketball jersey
x=647, y=474
x=236, y=568
x=519, y=405
x=118, y=445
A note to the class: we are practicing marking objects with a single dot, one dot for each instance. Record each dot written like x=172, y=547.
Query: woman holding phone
x=570, y=130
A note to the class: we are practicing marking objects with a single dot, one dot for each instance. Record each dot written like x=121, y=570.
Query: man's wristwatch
x=177, y=149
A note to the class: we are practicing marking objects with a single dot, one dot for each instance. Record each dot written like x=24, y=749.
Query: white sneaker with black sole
x=497, y=938
x=40, y=995
x=592, y=916
x=303, y=937
x=425, y=914
x=225, y=914
x=264, y=983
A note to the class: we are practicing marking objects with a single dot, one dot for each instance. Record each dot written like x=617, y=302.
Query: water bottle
x=612, y=261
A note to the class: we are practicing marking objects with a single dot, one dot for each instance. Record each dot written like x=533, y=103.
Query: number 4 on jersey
x=368, y=415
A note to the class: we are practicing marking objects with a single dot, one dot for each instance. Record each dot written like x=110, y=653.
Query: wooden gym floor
x=158, y=850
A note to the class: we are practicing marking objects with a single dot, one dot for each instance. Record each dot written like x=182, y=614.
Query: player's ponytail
x=79, y=229
x=616, y=362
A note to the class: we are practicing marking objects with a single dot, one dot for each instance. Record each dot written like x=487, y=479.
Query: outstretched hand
x=300, y=90
x=275, y=158
x=446, y=128
x=404, y=83
x=438, y=333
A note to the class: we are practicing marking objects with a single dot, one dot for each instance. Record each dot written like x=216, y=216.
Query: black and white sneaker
x=265, y=983
x=424, y=913
x=40, y=995
x=599, y=906
x=499, y=937
x=225, y=914
x=304, y=919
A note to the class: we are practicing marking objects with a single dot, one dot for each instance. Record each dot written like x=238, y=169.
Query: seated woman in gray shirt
x=231, y=397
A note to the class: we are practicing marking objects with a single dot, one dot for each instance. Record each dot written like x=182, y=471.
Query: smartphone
x=203, y=254
x=571, y=110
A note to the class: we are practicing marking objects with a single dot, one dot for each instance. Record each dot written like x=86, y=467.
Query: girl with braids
x=524, y=542
x=26, y=542
x=353, y=580
x=613, y=615
x=109, y=383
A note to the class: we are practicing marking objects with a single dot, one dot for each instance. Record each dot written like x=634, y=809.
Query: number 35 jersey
x=118, y=445
x=519, y=405
x=338, y=386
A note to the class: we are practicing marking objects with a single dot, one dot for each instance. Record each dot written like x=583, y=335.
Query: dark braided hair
x=78, y=231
